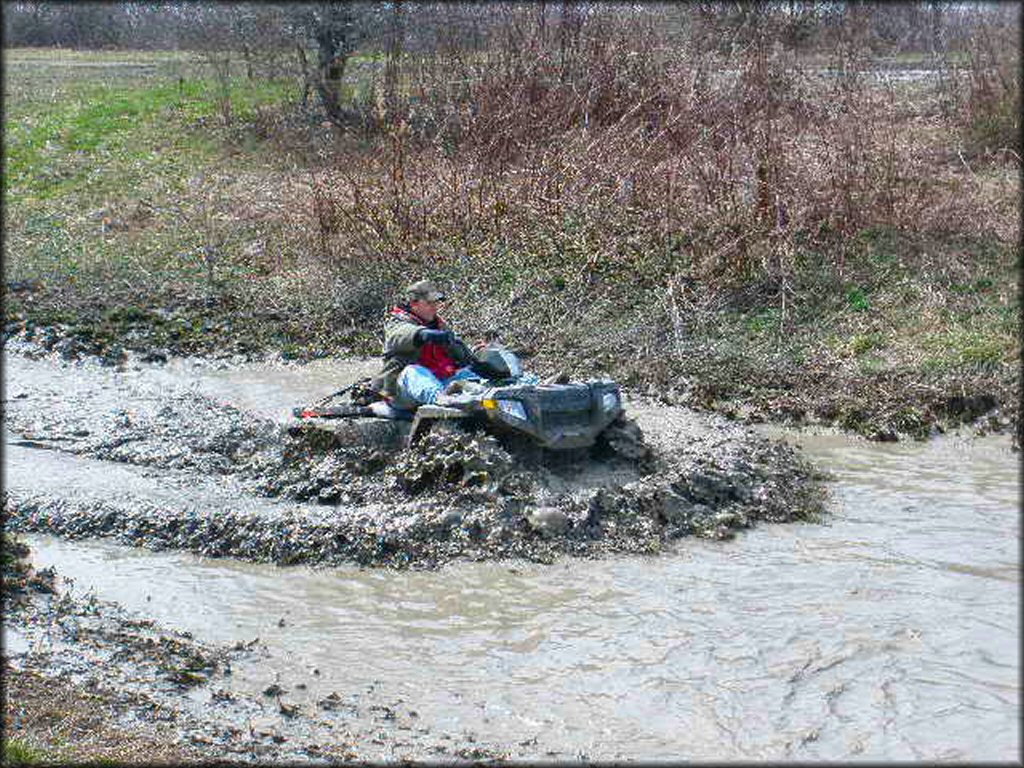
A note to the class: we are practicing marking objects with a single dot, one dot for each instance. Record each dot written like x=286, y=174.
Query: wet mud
x=349, y=491
x=157, y=454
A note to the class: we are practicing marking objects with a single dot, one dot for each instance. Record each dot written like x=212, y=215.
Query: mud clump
x=19, y=578
x=452, y=461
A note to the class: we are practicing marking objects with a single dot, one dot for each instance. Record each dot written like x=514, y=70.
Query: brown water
x=888, y=633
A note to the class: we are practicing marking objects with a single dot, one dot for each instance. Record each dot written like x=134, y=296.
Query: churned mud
x=147, y=451
x=202, y=474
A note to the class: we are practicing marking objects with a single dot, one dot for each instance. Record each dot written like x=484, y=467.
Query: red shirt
x=433, y=357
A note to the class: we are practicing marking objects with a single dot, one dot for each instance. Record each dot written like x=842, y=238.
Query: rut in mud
x=288, y=493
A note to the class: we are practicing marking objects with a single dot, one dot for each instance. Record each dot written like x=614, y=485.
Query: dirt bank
x=831, y=376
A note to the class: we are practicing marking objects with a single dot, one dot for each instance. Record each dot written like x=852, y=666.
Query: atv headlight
x=513, y=408
x=610, y=401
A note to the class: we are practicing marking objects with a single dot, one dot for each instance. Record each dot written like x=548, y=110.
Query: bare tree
x=396, y=45
x=336, y=29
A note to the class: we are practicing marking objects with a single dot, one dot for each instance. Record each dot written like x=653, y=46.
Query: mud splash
x=331, y=499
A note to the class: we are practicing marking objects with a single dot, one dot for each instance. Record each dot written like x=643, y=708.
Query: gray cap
x=424, y=290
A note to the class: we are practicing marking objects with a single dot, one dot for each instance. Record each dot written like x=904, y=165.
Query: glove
x=428, y=336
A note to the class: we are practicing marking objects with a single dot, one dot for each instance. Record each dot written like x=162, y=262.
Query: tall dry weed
x=992, y=106
x=630, y=156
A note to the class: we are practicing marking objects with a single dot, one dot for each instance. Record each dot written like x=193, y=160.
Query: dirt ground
x=66, y=722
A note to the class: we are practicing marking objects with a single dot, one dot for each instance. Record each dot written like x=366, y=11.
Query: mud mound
x=450, y=461
x=342, y=494
x=456, y=495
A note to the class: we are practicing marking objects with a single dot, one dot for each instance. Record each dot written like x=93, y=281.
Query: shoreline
x=898, y=408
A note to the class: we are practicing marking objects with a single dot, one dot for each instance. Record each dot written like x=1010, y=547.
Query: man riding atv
x=421, y=356
x=429, y=376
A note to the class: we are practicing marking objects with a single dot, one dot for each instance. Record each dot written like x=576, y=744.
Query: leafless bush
x=624, y=153
x=992, y=107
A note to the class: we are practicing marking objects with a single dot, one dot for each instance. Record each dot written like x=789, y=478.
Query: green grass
x=865, y=342
x=959, y=346
x=100, y=136
x=763, y=321
x=857, y=299
x=18, y=752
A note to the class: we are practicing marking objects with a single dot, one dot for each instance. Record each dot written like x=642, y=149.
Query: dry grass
x=727, y=164
x=665, y=213
x=60, y=722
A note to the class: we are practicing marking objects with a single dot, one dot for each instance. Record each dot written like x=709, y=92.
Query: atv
x=552, y=416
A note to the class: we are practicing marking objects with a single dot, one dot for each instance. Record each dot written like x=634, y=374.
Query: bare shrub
x=992, y=106
x=593, y=139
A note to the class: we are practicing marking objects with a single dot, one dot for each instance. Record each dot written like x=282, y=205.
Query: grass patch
x=964, y=347
x=857, y=299
x=865, y=342
x=62, y=723
x=763, y=321
x=100, y=138
x=18, y=752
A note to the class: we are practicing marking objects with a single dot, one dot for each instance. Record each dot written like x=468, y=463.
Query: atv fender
x=425, y=417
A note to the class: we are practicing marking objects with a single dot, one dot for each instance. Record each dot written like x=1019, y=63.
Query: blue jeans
x=417, y=385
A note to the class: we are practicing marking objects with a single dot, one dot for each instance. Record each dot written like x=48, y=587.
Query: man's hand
x=429, y=336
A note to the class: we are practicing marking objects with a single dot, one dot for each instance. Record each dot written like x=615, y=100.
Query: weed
x=964, y=347
x=857, y=300
x=763, y=321
x=18, y=752
x=992, y=107
x=976, y=286
x=871, y=365
x=866, y=342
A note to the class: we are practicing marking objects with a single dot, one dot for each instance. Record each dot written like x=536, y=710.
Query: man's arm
x=460, y=352
x=400, y=337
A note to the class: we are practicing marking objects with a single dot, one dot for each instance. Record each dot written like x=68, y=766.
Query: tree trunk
x=247, y=55
x=328, y=85
x=936, y=8
x=391, y=67
x=300, y=53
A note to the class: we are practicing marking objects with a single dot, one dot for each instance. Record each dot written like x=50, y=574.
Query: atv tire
x=525, y=450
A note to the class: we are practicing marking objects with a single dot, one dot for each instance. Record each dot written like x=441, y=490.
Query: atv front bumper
x=555, y=416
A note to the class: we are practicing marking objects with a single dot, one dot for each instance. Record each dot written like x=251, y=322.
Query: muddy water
x=888, y=633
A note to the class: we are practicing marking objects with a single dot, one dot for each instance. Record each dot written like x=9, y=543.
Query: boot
x=460, y=393
x=462, y=386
